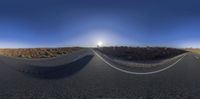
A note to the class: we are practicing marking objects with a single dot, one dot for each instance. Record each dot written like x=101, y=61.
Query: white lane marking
x=196, y=57
x=139, y=73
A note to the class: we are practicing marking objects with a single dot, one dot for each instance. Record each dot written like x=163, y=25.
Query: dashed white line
x=138, y=73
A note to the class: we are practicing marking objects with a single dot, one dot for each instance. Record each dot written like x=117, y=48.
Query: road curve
x=139, y=72
x=93, y=78
x=45, y=65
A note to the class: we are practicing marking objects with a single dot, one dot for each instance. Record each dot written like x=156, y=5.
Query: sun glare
x=99, y=43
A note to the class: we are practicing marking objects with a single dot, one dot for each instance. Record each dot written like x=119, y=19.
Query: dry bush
x=141, y=53
x=38, y=52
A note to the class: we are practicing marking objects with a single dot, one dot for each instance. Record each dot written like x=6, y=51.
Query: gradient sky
x=54, y=23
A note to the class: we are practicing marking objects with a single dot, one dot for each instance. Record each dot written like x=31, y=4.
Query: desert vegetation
x=141, y=53
x=38, y=52
x=194, y=50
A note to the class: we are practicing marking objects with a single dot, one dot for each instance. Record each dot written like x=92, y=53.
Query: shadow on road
x=64, y=70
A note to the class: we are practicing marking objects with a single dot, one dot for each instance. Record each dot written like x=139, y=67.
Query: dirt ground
x=38, y=52
x=141, y=53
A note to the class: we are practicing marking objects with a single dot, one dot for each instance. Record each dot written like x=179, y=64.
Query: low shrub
x=37, y=52
x=141, y=53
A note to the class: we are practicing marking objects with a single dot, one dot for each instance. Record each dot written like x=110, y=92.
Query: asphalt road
x=91, y=77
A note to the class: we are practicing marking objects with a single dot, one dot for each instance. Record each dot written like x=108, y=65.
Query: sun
x=99, y=43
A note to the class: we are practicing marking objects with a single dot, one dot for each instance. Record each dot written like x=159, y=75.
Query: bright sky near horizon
x=55, y=23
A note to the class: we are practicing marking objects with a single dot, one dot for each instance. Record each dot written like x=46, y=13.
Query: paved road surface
x=91, y=77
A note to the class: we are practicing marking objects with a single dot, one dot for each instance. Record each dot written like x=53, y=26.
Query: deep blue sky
x=51, y=23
